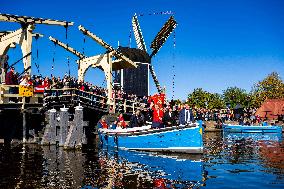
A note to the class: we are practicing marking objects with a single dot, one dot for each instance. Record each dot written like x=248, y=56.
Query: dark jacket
x=136, y=121
x=11, y=79
x=169, y=118
x=182, y=116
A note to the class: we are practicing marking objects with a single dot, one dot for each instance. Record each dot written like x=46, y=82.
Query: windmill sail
x=142, y=46
x=163, y=35
x=154, y=76
x=138, y=34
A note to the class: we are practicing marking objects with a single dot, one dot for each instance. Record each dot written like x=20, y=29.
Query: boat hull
x=252, y=129
x=178, y=139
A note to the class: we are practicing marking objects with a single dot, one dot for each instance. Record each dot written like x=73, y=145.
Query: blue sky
x=219, y=43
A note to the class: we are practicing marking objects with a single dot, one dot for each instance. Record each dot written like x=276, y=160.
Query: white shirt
x=187, y=115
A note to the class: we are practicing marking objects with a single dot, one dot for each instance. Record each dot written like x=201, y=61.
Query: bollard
x=63, y=123
x=49, y=136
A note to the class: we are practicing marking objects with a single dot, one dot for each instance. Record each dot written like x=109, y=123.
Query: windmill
x=156, y=44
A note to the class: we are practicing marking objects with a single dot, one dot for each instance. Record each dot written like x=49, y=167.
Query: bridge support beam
x=23, y=37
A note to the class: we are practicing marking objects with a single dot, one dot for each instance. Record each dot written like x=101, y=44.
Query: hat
x=12, y=67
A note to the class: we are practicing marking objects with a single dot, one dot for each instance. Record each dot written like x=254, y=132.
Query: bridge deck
x=11, y=97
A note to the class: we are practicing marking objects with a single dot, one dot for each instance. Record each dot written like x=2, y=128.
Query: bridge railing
x=19, y=94
x=91, y=99
x=128, y=106
x=66, y=96
x=73, y=95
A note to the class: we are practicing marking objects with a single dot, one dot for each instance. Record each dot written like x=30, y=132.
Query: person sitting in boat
x=185, y=115
x=120, y=123
x=219, y=122
x=169, y=117
x=241, y=120
x=102, y=124
x=137, y=119
x=158, y=114
x=247, y=121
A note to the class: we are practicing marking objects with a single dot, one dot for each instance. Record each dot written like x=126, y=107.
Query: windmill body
x=136, y=81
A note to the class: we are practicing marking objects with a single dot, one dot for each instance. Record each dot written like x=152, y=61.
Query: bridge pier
x=49, y=136
x=71, y=133
x=63, y=123
x=76, y=134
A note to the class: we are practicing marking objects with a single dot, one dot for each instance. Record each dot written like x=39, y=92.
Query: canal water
x=228, y=162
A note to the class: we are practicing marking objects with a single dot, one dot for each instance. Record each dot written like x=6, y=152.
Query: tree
x=203, y=99
x=234, y=95
x=271, y=87
x=216, y=101
x=198, y=98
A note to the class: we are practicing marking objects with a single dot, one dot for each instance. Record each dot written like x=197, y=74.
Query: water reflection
x=236, y=160
x=229, y=161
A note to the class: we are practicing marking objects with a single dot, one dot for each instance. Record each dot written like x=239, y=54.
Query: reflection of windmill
x=130, y=82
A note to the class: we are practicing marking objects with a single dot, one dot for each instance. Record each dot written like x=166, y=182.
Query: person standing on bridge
x=12, y=79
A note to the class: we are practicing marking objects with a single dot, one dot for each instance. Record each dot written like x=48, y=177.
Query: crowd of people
x=160, y=116
x=183, y=114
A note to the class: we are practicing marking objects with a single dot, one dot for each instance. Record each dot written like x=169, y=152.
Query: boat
x=178, y=139
x=252, y=129
x=257, y=133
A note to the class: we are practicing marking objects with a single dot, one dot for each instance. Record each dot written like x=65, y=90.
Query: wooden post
x=24, y=126
x=124, y=108
x=133, y=107
x=109, y=78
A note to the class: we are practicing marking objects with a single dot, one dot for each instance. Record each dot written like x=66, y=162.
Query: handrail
x=77, y=95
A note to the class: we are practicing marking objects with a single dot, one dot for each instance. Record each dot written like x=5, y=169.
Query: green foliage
x=234, y=96
x=271, y=87
x=216, y=101
x=203, y=99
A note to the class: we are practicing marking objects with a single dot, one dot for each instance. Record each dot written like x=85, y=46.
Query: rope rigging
x=174, y=58
x=53, y=59
x=84, y=44
x=19, y=60
x=66, y=37
x=37, y=54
